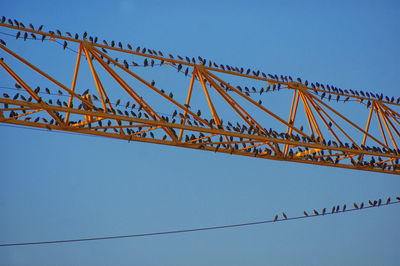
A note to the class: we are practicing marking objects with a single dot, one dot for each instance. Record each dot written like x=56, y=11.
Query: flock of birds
x=338, y=208
x=233, y=144
x=327, y=91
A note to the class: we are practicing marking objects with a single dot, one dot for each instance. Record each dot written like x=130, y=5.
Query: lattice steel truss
x=330, y=136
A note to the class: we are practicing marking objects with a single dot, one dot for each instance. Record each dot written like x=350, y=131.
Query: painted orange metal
x=249, y=139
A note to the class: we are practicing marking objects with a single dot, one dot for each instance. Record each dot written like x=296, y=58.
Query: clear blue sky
x=63, y=186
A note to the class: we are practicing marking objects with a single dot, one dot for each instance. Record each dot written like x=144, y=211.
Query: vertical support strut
x=187, y=103
x=78, y=60
x=292, y=116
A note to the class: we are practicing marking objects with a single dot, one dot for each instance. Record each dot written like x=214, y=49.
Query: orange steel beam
x=368, y=123
x=45, y=75
x=384, y=118
x=205, y=137
x=211, y=105
x=317, y=109
x=144, y=131
x=99, y=85
x=111, y=116
x=132, y=93
x=96, y=80
x=292, y=117
x=367, y=127
x=391, y=112
x=307, y=113
x=229, y=100
x=394, y=128
x=170, y=143
x=3, y=119
x=190, y=128
x=386, y=125
x=387, y=117
x=380, y=124
x=235, y=106
x=78, y=60
x=187, y=102
x=256, y=104
x=345, y=119
x=333, y=121
x=311, y=121
x=239, y=110
x=310, y=117
x=29, y=90
x=16, y=109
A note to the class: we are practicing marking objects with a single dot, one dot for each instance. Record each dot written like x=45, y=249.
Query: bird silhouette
x=126, y=64
x=388, y=200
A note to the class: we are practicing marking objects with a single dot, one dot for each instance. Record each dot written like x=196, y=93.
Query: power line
x=276, y=219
